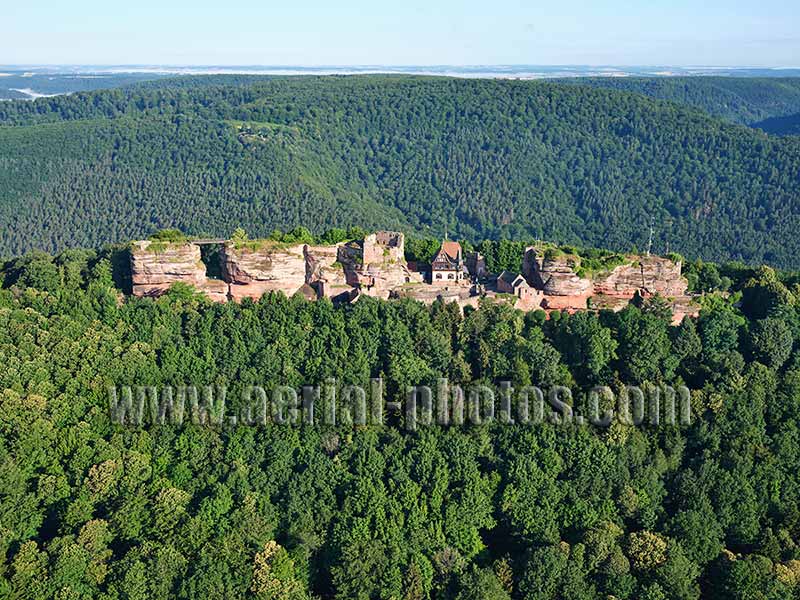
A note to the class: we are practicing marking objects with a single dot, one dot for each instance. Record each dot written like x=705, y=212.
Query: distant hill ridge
x=480, y=158
x=789, y=125
x=741, y=100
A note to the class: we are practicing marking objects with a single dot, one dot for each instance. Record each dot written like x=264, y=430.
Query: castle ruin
x=376, y=266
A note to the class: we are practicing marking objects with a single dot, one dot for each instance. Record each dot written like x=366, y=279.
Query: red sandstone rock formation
x=156, y=266
x=268, y=267
x=166, y=263
x=653, y=274
x=684, y=306
x=376, y=267
x=324, y=272
x=555, y=274
x=215, y=289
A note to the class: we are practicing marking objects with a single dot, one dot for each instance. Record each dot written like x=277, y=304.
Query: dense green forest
x=90, y=509
x=742, y=100
x=482, y=159
x=789, y=125
x=745, y=100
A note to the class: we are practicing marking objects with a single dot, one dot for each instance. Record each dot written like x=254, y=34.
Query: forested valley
x=92, y=509
x=571, y=163
x=789, y=125
x=742, y=100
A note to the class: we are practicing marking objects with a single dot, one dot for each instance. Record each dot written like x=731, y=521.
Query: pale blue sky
x=414, y=32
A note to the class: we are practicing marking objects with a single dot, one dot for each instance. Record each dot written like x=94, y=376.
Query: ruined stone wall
x=384, y=247
x=378, y=265
x=324, y=272
x=528, y=298
x=476, y=265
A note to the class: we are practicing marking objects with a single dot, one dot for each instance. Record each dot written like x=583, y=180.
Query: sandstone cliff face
x=154, y=268
x=166, y=263
x=654, y=274
x=324, y=272
x=215, y=289
x=684, y=306
x=321, y=263
x=272, y=267
x=256, y=289
x=555, y=275
x=323, y=266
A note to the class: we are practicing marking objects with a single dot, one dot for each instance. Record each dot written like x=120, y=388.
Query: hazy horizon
x=190, y=65
x=449, y=32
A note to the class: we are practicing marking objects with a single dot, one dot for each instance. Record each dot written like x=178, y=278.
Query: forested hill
x=549, y=507
x=481, y=158
x=742, y=100
x=789, y=125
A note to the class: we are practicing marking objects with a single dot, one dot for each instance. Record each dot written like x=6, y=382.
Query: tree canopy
x=506, y=160
x=91, y=509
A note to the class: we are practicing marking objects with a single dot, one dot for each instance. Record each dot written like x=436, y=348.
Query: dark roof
x=512, y=279
x=508, y=277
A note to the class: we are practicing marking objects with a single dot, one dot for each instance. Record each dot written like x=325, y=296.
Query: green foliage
x=502, y=255
x=741, y=100
x=765, y=294
x=783, y=125
x=751, y=577
x=585, y=344
x=168, y=235
x=597, y=262
x=91, y=509
x=770, y=342
x=482, y=584
x=239, y=237
x=422, y=250
x=504, y=160
x=644, y=352
x=705, y=277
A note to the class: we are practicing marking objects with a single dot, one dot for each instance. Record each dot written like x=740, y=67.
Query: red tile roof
x=452, y=249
